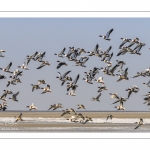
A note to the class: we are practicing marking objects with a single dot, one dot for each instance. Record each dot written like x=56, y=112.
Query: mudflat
x=89, y=114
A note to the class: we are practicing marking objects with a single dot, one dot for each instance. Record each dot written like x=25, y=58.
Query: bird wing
x=121, y=103
x=129, y=93
x=110, y=56
x=43, y=54
x=107, y=118
x=60, y=64
x=20, y=115
x=122, y=44
x=137, y=126
x=16, y=93
x=42, y=65
x=63, y=82
x=141, y=120
x=95, y=49
x=48, y=86
x=8, y=67
x=98, y=95
x=107, y=51
x=32, y=88
x=34, y=54
x=65, y=74
x=50, y=107
x=76, y=79
x=108, y=33
x=132, y=43
x=62, y=52
x=27, y=62
x=139, y=48
x=113, y=68
x=148, y=83
x=116, y=101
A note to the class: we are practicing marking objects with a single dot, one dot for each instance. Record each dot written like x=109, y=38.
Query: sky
x=24, y=36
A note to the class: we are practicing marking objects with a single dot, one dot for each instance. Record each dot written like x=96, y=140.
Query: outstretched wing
x=108, y=33
x=62, y=52
x=8, y=67
x=20, y=115
x=121, y=104
x=137, y=126
x=65, y=73
x=98, y=95
x=107, y=51
x=129, y=93
x=17, y=93
x=76, y=79
x=42, y=65
x=122, y=44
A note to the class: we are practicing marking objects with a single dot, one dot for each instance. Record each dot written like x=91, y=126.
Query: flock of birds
x=73, y=55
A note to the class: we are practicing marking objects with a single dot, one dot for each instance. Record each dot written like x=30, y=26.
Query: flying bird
x=106, y=37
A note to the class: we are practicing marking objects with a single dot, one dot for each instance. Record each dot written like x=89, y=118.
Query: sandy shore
x=89, y=114
x=22, y=126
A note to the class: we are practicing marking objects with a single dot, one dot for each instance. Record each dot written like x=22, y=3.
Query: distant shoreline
x=93, y=114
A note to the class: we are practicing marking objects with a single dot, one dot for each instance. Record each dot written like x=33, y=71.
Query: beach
x=53, y=122
x=89, y=114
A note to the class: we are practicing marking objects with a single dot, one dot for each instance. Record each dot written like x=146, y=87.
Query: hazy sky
x=22, y=37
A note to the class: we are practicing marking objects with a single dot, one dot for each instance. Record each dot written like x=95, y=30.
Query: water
x=38, y=124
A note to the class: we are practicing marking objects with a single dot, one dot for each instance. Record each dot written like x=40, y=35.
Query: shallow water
x=38, y=124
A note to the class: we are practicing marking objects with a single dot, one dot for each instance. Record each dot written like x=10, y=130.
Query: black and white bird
x=14, y=97
x=55, y=106
x=102, y=88
x=114, y=95
x=109, y=116
x=41, y=82
x=80, y=106
x=61, y=54
x=71, y=84
x=123, y=76
x=44, y=63
x=2, y=76
x=147, y=84
x=140, y=123
x=134, y=89
x=46, y=89
x=61, y=63
x=120, y=107
x=106, y=37
x=1, y=53
x=7, y=68
x=19, y=118
x=25, y=65
x=125, y=40
x=96, y=98
x=32, y=106
x=35, y=87
x=32, y=56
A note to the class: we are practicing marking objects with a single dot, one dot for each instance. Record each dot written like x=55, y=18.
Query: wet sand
x=89, y=114
x=22, y=126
